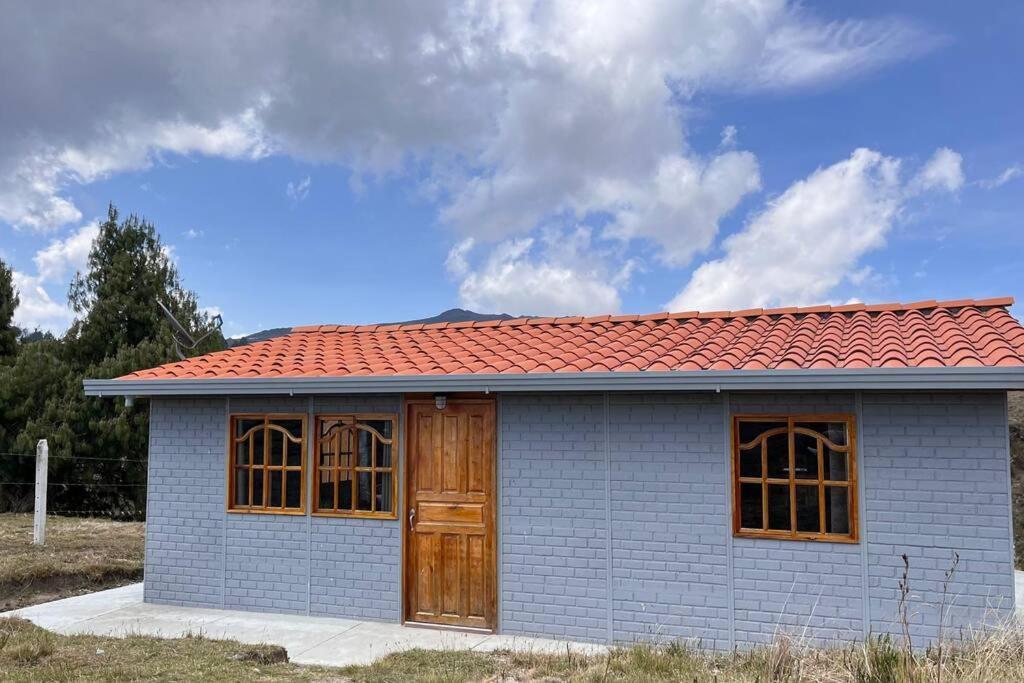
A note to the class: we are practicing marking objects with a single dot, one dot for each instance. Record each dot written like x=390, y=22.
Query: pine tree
x=98, y=446
x=8, y=304
x=128, y=272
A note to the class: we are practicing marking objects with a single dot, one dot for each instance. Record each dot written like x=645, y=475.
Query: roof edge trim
x=995, y=378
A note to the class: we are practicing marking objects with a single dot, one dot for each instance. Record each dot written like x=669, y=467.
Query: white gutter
x=992, y=378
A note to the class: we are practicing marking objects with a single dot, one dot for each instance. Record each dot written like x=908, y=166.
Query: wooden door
x=450, y=573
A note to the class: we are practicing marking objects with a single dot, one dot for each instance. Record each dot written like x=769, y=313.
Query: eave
x=942, y=378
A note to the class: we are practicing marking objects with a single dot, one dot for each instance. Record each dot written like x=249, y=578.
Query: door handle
x=412, y=519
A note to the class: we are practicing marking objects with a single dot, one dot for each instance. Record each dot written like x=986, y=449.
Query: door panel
x=450, y=544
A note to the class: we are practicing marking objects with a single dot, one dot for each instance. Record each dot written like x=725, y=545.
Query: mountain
x=452, y=315
x=457, y=315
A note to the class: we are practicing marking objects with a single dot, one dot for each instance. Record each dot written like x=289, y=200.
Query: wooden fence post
x=42, y=468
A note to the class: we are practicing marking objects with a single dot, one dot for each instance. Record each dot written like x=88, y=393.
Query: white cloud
x=526, y=115
x=812, y=237
x=1008, y=174
x=63, y=257
x=192, y=234
x=803, y=51
x=942, y=171
x=36, y=309
x=682, y=205
x=729, y=136
x=456, y=262
x=805, y=242
x=559, y=275
x=298, y=191
x=29, y=194
x=55, y=264
x=523, y=111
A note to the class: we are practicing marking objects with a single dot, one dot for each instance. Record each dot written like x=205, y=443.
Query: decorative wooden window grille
x=355, y=470
x=266, y=464
x=795, y=477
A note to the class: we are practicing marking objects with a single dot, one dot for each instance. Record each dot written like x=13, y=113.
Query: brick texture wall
x=185, y=506
x=553, y=515
x=356, y=563
x=669, y=518
x=614, y=521
x=800, y=588
x=197, y=554
x=935, y=483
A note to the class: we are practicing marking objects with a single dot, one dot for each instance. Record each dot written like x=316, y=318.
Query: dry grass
x=28, y=653
x=80, y=555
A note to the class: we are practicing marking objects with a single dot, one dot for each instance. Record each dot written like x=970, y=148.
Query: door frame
x=408, y=400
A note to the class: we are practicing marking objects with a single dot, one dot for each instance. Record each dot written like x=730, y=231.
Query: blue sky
x=683, y=156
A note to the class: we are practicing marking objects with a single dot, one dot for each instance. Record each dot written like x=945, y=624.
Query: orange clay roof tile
x=965, y=332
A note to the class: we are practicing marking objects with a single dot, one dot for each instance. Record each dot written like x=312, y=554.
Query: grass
x=80, y=556
x=29, y=653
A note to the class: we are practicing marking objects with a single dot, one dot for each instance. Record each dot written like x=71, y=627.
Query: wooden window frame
x=793, y=482
x=266, y=467
x=354, y=469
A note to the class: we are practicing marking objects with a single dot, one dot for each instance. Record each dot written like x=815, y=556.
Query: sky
x=366, y=162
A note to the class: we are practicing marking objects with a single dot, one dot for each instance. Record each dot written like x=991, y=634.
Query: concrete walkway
x=309, y=640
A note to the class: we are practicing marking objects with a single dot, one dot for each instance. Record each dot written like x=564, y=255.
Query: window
x=355, y=466
x=265, y=464
x=795, y=477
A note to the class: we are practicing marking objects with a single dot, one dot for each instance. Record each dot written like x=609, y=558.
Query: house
x=719, y=477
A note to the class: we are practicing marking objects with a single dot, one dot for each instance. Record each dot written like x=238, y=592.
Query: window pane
x=837, y=510
x=242, y=453
x=807, y=509
x=345, y=442
x=833, y=431
x=257, y=446
x=365, y=440
x=750, y=463
x=805, y=450
x=294, y=454
x=344, y=490
x=750, y=506
x=326, y=454
x=274, y=486
x=293, y=427
x=382, y=426
x=751, y=430
x=325, y=491
x=257, y=488
x=384, y=491
x=292, y=489
x=778, y=507
x=835, y=466
x=244, y=424
x=276, y=447
x=383, y=455
x=365, y=500
x=778, y=457
x=242, y=486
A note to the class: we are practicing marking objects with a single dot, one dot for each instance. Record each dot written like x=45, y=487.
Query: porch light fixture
x=440, y=401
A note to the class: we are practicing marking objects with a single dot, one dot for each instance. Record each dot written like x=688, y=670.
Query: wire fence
x=85, y=486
